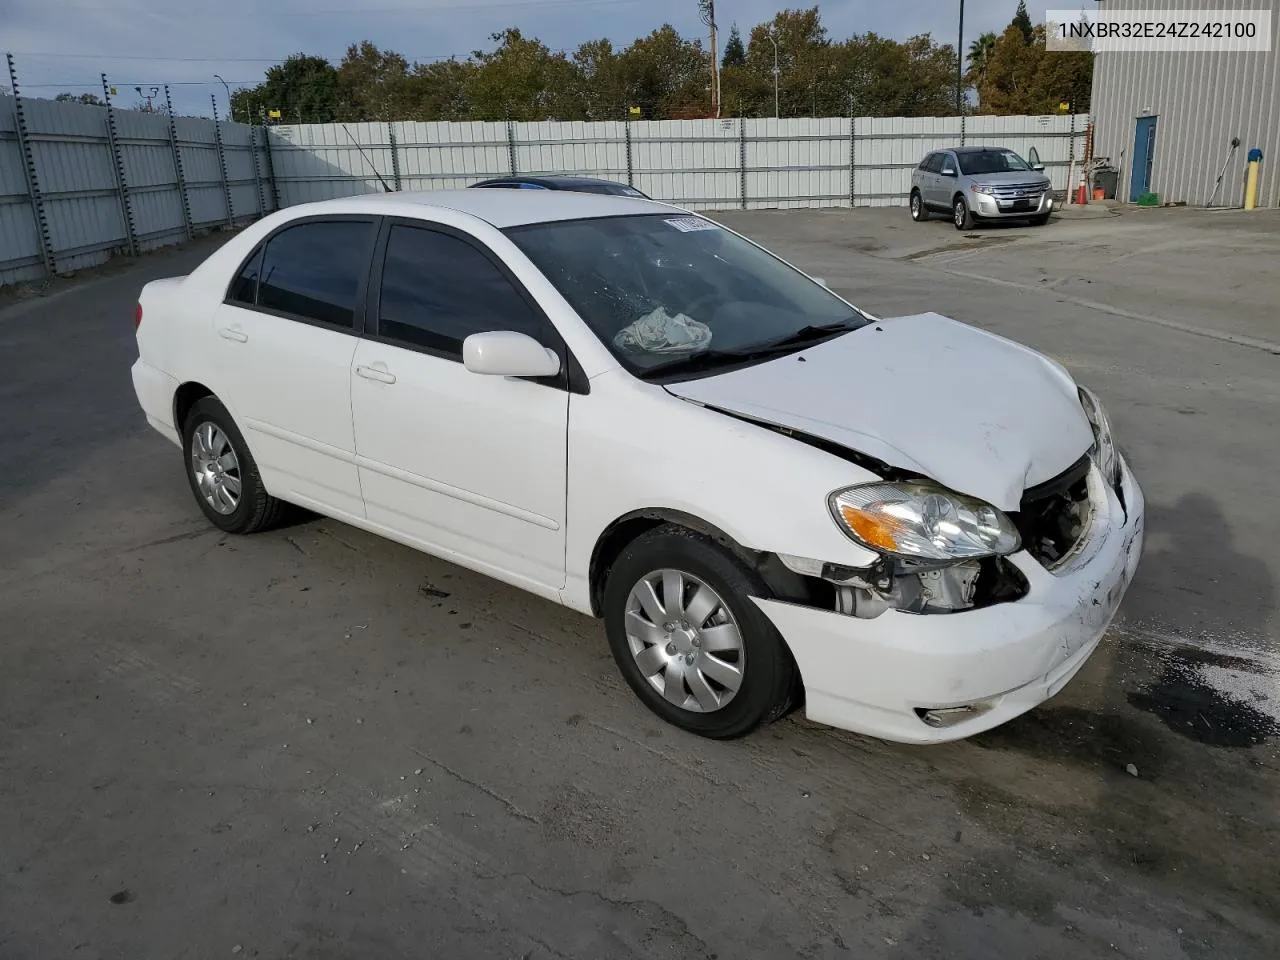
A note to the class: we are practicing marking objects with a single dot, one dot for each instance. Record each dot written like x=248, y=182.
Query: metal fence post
x=222, y=160
x=395, y=155
x=33, y=180
x=853, y=158
x=963, y=129
x=271, y=168
x=742, y=161
x=122, y=183
x=631, y=174
x=511, y=146
x=257, y=173
x=184, y=201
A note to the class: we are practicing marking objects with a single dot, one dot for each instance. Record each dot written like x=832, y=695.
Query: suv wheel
x=918, y=212
x=962, y=215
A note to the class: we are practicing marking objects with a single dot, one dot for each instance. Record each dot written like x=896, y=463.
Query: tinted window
x=244, y=288
x=944, y=161
x=313, y=270
x=437, y=290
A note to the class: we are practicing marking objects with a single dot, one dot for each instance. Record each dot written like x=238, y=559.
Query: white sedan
x=915, y=529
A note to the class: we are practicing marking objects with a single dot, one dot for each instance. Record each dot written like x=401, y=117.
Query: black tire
x=1040, y=221
x=961, y=215
x=919, y=212
x=769, y=677
x=256, y=509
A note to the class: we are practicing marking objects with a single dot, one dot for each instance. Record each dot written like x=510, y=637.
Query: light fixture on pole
x=226, y=88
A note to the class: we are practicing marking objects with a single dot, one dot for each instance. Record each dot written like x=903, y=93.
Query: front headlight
x=981, y=188
x=1104, y=444
x=920, y=520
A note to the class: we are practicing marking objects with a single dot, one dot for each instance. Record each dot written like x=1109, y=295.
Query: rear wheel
x=918, y=212
x=962, y=215
x=223, y=475
x=688, y=638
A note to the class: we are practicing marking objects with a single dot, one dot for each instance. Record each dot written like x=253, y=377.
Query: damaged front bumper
x=917, y=678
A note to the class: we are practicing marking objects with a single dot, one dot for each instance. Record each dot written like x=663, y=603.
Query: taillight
x=137, y=317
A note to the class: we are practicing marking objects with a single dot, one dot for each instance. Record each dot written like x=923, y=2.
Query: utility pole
x=707, y=10
x=960, y=64
x=775, y=72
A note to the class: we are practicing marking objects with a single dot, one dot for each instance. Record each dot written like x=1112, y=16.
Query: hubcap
x=915, y=205
x=216, y=468
x=959, y=213
x=685, y=641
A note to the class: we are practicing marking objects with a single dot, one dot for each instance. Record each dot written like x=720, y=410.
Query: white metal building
x=1167, y=119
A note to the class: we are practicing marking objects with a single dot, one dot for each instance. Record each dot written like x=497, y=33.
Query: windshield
x=991, y=161
x=661, y=289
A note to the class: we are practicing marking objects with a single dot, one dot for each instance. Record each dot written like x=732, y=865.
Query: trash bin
x=1107, y=178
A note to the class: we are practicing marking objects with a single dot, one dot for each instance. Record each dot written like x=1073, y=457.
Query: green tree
x=373, y=84
x=1022, y=20
x=303, y=88
x=601, y=83
x=91, y=99
x=735, y=51
x=1025, y=78
x=914, y=78
x=439, y=91
x=666, y=74
x=523, y=80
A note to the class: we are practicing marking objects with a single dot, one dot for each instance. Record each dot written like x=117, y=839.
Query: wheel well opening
x=184, y=399
x=781, y=582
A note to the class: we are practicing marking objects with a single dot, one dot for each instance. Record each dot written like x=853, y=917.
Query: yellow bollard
x=1251, y=179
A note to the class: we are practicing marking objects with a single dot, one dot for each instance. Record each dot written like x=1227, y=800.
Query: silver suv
x=980, y=183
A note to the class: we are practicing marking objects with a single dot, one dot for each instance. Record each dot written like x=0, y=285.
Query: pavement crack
x=512, y=807
x=668, y=921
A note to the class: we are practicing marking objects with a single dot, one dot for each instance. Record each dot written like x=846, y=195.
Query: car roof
x=981, y=149
x=500, y=208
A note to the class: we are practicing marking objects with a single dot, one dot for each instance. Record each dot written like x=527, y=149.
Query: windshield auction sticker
x=1171, y=31
x=692, y=224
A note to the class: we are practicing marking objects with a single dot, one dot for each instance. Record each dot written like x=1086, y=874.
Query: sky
x=65, y=44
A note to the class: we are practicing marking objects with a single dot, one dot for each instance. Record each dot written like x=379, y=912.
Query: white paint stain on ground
x=1247, y=671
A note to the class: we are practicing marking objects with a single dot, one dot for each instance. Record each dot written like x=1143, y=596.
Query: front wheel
x=690, y=641
x=918, y=213
x=962, y=215
x=1040, y=221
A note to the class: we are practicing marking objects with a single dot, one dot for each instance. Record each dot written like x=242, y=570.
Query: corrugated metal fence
x=130, y=184
x=702, y=164
x=145, y=183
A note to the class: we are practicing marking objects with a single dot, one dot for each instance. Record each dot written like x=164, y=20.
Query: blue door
x=1144, y=154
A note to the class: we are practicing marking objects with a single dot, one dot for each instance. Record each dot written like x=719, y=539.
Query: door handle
x=377, y=372
x=233, y=333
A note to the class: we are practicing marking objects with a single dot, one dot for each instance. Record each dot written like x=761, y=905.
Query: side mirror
x=1033, y=160
x=505, y=353
x=1038, y=167
x=948, y=171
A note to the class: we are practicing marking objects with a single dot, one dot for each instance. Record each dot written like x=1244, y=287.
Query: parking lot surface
x=315, y=743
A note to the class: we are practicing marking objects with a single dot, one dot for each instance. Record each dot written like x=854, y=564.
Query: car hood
x=1028, y=178
x=929, y=395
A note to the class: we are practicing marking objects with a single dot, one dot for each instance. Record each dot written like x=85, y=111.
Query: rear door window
x=314, y=271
